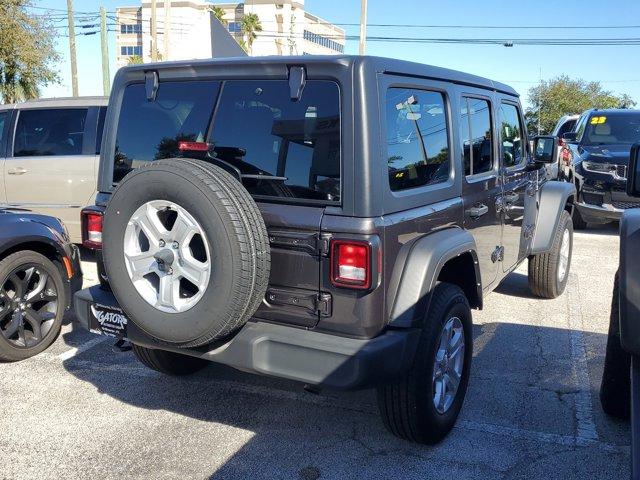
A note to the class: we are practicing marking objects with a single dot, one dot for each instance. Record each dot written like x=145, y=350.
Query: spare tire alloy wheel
x=167, y=256
x=28, y=305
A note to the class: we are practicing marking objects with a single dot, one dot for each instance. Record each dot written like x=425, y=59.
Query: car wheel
x=615, y=390
x=578, y=221
x=424, y=404
x=186, y=252
x=169, y=363
x=32, y=304
x=549, y=272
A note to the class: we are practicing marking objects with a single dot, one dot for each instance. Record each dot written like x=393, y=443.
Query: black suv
x=598, y=161
x=331, y=220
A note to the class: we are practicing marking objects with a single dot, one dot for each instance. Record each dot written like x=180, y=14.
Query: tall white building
x=185, y=30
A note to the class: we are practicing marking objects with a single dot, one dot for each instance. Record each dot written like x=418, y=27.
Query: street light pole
x=363, y=25
x=72, y=49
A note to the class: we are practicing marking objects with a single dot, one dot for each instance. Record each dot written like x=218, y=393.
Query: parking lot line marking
x=72, y=352
x=580, y=369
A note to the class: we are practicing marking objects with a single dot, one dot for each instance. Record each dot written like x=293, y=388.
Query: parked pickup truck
x=620, y=388
x=330, y=220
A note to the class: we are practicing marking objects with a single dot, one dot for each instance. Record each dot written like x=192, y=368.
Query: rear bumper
x=319, y=359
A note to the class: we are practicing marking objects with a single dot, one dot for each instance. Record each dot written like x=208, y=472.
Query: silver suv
x=50, y=151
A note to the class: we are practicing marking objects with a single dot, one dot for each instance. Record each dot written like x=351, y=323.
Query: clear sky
x=617, y=67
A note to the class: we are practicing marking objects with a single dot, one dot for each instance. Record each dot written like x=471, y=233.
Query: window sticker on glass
x=598, y=120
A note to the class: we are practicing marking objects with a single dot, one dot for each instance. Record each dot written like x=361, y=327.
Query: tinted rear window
x=55, y=131
x=286, y=149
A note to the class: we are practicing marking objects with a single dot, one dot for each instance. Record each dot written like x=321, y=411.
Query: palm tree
x=218, y=12
x=250, y=25
x=135, y=60
x=16, y=86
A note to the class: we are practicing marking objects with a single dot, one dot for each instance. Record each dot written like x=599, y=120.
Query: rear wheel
x=549, y=272
x=32, y=304
x=615, y=390
x=169, y=363
x=424, y=404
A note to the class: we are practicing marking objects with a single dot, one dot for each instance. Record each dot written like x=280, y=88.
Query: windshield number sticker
x=598, y=120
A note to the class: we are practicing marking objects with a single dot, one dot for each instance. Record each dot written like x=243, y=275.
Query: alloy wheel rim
x=565, y=247
x=448, y=365
x=28, y=306
x=167, y=256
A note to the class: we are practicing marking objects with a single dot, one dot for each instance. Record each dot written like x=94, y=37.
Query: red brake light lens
x=350, y=264
x=92, y=229
x=566, y=156
x=193, y=146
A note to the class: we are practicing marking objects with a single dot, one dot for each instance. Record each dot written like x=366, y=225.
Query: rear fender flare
x=420, y=269
x=554, y=197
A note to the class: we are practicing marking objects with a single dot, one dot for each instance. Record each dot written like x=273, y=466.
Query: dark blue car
x=39, y=273
x=598, y=162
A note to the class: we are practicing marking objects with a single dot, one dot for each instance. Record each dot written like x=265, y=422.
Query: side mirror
x=633, y=177
x=570, y=136
x=545, y=149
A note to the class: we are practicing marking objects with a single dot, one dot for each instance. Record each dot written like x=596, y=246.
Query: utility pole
x=363, y=25
x=167, y=28
x=105, y=51
x=154, y=32
x=72, y=49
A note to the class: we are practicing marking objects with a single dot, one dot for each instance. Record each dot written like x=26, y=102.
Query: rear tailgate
x=294, y=285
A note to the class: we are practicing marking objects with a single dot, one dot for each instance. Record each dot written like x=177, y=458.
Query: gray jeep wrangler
x=330, y=220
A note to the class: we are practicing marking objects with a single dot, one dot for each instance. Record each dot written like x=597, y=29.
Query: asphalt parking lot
x=532, y=410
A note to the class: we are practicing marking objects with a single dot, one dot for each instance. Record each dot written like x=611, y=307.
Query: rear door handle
x=478, y=211
x=17, y=171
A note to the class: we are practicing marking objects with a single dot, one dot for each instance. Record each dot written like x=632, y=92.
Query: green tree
x=250, y=25
x=218, y=12
x=563, y=95
x=135, y=60
x=27, y=53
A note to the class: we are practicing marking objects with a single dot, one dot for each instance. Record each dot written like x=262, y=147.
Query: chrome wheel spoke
x=39, y=287
x=14, y=325
x=194, y=271
x=183, y=229
x=448, y=364
x=140, y=264
x=168, y=291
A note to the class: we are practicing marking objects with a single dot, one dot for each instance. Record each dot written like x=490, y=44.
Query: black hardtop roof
x=380, y=64
x=613, y=111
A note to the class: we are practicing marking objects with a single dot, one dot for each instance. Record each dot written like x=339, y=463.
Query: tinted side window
x=4, y=118
x=566, y=127
x=101, y=116
x=417, y=138
x=56, y=131
x=477, y=146
x=513, y=143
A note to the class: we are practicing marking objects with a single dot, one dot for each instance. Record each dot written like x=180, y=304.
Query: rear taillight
x=193, y=146
x=92, y=228
x=566, y=156
x=350, y=264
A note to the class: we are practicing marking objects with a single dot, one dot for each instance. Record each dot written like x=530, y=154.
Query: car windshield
x=282, y=148
x=611, y=129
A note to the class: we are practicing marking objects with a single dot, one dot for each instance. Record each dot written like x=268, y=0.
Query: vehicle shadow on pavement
x=521, y=421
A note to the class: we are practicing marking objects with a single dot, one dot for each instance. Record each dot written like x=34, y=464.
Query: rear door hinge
x=324, y=304
x=497, y=255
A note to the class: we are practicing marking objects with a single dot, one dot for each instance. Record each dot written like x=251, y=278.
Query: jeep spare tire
x=186, y=251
